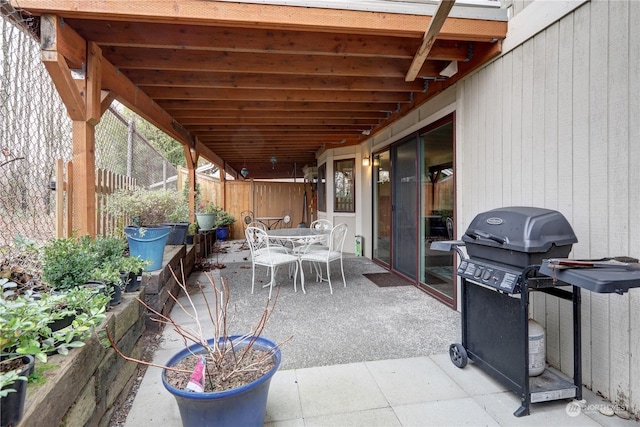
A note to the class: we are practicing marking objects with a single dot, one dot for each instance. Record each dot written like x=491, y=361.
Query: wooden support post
x=192, y=162
x=82, y=96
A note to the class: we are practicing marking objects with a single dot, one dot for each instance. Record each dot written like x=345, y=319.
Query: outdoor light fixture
x=273, y=162
x=244, y=172
x=366, y=161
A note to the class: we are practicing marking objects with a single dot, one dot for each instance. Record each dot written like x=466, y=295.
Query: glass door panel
x=404, y=208
x=382, y=207
x=436, y=208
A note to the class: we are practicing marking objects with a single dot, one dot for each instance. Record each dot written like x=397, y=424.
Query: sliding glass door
x=404, y=207
x=382, y=208
x=413, y=206
x=436, y=208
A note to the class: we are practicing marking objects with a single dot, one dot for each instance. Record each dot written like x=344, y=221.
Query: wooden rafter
x=225, y=77
x=429, y=38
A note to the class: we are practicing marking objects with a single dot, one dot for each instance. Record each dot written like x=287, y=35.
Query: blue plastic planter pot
x=148, y=243
x=243, y=406
x=222, y=233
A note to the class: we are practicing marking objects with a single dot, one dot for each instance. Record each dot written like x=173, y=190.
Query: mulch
x=384, y=280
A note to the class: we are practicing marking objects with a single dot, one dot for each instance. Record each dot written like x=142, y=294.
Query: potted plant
x=220, y=379
x=26, y=335
x=178, y=220
x=131, y=268
x=68, y=262
x=223, y=222
x=191, y=232
x=146, y=210
x=13, y=388
x=206, y=215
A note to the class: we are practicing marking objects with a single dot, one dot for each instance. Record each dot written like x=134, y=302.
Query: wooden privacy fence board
x=106, y=183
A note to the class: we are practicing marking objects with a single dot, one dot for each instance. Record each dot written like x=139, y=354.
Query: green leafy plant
x=224, y=218
x=208, y=206
x=68, y=262
x=147, y=207
x=7, y=379
x=193, y=227
x=25, y=322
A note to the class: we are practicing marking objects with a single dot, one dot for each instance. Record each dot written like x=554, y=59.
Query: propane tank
x=537, y=349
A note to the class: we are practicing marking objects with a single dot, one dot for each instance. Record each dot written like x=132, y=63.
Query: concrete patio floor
x=364, y=356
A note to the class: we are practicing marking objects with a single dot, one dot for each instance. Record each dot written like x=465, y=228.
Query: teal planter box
x=148, y=243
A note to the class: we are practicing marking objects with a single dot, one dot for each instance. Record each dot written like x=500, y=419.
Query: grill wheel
x=458, y=355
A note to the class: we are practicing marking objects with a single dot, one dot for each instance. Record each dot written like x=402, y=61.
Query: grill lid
x=520, y=228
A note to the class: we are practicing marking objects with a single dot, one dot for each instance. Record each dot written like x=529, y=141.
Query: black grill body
x=505, y=247
x=519, y=236
x=513, y=251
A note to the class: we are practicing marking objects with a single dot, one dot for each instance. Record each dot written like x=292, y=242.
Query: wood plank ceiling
x=245, y=82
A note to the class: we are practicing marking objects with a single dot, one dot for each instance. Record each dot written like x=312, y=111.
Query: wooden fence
x=107, y=182
x=262, y=198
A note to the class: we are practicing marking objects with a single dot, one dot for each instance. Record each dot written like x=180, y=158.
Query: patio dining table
x=269, y=221
x=299, y=237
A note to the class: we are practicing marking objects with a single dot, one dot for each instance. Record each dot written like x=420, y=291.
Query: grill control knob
x=486, y=275
x=477, y=273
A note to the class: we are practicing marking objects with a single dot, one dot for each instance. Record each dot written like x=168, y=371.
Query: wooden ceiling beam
x=250, y=39
x=163, y=93
x=213, y=121
x=234, y=114
x=306, y=137
x=229, y=80
x=266, y=63
x=274, y=128
x=198, y=12
x=173, y=106
x=255, y=40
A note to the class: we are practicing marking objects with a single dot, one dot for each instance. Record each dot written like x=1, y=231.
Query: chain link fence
x=35, y=131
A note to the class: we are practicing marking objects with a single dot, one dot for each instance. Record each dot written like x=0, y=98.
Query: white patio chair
x=319, y=244
x=326, y=256
x=263, y=254
x=287, y=219
x=247, y=218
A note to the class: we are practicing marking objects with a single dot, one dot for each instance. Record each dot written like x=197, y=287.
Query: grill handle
x=474, y=234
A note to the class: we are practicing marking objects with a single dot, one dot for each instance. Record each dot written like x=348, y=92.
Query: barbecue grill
x=513, y=251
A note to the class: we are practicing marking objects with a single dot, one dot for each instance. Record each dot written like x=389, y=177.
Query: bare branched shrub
x=225, y=359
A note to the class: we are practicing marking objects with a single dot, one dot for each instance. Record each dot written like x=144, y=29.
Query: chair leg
x=273, y=278
x=329, y=278
x=295, y=278
x=253, y=276
x=302, y=278
x=342, y=269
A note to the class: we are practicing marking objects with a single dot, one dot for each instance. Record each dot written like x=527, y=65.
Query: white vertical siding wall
x=555, y=123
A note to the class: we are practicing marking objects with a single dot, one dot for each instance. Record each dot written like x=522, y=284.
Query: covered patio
x=261, y=86
x=371, y=356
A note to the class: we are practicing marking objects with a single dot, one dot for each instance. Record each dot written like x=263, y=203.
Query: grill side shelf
x=597, y=279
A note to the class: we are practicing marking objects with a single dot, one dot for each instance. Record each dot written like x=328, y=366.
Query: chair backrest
x=321, y=224
x=257, y=239
x=338, y=234
x=247, y=217
x=449, y=222
x=257, y=224
x=287, y=218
